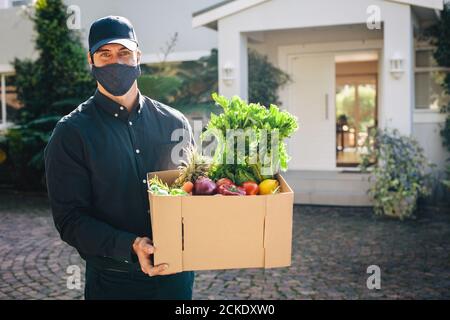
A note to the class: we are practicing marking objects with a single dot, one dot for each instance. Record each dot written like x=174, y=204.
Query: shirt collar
x=117, y=110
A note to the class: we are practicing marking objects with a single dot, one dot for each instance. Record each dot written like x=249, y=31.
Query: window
x=4, y=4
x=9, y=104
x=18, y=3
x=2, y=101
x=428, y=81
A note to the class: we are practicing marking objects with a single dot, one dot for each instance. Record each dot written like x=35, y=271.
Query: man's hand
x=143, y=248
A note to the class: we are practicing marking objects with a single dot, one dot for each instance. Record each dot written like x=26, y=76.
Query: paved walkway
x=332, y=249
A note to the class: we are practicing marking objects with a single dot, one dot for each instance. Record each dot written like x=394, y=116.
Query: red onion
x=204, y=186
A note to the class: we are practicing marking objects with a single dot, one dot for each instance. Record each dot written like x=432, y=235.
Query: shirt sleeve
x=70, y=194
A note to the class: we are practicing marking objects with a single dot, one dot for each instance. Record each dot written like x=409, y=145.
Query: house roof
x=210, y=15
x=209, y=8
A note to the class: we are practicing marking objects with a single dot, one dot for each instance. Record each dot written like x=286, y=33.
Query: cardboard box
x=221, y=232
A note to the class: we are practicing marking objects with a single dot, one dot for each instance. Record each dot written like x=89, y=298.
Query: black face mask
x=116, y=78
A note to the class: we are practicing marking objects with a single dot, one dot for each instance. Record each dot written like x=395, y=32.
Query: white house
x=360, y=58
x=354, y=64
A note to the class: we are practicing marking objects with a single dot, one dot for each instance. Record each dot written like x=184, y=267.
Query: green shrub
x=25, y=148
x=445, y=133
x=161, y=88
x=200, y=109
x=400, y=174
x=264, y=80
x=199, y=79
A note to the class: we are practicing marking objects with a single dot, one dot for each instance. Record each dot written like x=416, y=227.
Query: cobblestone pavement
x=332, y=249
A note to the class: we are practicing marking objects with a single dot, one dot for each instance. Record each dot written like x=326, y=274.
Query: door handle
x=326, y=106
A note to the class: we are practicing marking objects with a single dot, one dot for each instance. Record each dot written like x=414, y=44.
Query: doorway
x=356, y=105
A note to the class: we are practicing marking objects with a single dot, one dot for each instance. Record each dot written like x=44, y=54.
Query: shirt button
x=144, y=181
x=131, y=123
x=121, y=108
x=137, y=150
x=116, y=115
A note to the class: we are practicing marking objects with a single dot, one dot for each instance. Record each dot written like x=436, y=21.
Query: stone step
x=329, y=187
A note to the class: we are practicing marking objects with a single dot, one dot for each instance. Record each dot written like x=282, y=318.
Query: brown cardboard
x=221, y=232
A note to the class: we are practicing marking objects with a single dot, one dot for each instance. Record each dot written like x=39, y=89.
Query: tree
x=199, y=80
x=48, y=88
x=60, y=73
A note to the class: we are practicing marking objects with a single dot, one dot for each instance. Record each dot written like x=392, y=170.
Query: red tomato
x=251, y=188
x=224, y=181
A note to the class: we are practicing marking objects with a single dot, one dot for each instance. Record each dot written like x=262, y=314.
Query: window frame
x=429, y=70
x=4, y=123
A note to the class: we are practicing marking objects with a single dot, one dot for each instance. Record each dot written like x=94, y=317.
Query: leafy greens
x=254, y=124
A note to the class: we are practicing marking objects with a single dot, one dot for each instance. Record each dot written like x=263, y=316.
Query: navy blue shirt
x=96, y=163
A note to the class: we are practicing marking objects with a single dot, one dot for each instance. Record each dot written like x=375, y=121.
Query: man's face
x=114, y=53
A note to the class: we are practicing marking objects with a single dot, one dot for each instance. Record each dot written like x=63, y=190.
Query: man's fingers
x=156, y=270
x=147, y=240
x=146, y=266
x=147, y=248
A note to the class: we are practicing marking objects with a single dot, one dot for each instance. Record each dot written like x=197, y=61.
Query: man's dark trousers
x=107, y=284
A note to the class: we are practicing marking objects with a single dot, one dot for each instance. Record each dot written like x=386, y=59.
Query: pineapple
x=196, y=165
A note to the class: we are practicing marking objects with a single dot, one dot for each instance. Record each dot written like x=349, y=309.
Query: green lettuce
x=249, y=121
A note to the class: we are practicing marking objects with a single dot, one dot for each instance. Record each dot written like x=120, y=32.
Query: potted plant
x=399, y=176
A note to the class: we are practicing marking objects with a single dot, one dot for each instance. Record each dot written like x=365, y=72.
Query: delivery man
x=96, y=164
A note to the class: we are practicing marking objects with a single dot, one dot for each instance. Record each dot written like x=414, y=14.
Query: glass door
x=356, y=110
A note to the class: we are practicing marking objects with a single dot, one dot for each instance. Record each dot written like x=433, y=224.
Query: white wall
x=272, y=40
x=428, y=135
x=398, y=94
x=285, y=15
x=4, y=4
x=233, y=47
x=17, y=34
x=155, y=22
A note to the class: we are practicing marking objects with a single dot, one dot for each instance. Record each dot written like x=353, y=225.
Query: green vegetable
x=249, y=121
x=159, y=187
x=157, y=182
x=178, y=192
x=155, y=189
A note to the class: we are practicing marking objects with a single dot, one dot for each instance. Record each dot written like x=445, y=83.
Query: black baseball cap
x=112, y=29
